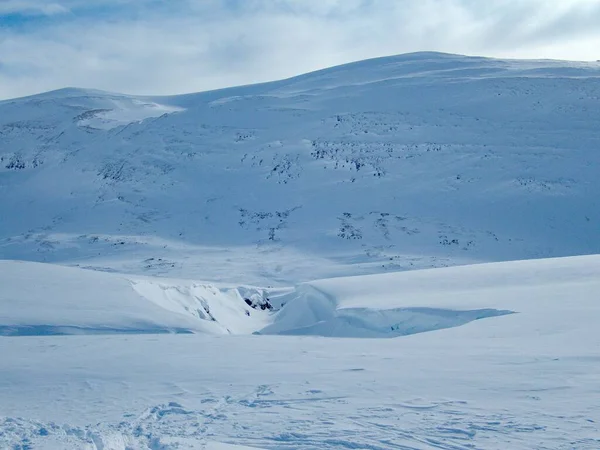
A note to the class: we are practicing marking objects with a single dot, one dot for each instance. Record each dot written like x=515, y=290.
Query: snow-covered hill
x=412, y=161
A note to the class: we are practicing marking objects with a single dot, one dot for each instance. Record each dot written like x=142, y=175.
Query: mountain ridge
x=406, y=57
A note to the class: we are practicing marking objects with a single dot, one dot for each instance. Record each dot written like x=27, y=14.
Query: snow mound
x=44, y=299
x=389, y=305
x=313, y=312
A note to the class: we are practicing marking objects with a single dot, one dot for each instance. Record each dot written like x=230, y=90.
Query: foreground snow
x=520, y=381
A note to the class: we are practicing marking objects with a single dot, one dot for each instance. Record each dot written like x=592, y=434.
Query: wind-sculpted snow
x=40, y=299
x=46, y=300
x=311, y=313
x=43, y=299
x=407, y=162
x=399, y=304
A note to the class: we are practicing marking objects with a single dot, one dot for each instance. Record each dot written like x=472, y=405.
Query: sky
x=181, y=46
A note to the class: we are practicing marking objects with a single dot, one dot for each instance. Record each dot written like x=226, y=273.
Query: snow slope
x=45, y=299
x=397, y=304
x=412, y=161
x=520, y=381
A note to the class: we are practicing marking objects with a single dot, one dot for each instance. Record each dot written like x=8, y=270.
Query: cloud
x=25, y=7
x=149, y=46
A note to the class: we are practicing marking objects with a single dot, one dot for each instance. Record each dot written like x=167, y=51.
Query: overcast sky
x=178, y=46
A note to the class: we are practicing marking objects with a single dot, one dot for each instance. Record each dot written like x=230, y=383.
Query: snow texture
x=412, y=161
x=45, y=299
x=233, y=269
x=522, y=380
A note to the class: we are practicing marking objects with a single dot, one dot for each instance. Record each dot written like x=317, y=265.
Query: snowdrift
x=45, y=299
x=389, y=305
x=315, y=312
x=38, y=299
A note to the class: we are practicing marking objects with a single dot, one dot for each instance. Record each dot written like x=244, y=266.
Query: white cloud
x=31, y=7
x=192, y=45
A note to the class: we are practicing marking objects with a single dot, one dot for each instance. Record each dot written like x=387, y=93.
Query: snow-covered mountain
x=282, y=217
x=412, y=161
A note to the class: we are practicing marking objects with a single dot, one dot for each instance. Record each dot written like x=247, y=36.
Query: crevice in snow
x=240, y=310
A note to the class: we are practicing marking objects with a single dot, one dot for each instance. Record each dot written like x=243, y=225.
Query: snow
x=45, y=299
x=522, y=380
x=40, y=299
x=389, y=305
x=407, y=162
x=399, y=253
x=123, y=113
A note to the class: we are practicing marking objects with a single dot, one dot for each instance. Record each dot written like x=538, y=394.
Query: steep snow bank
x=311, y=311
x=42, y=299
x=553, y=293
